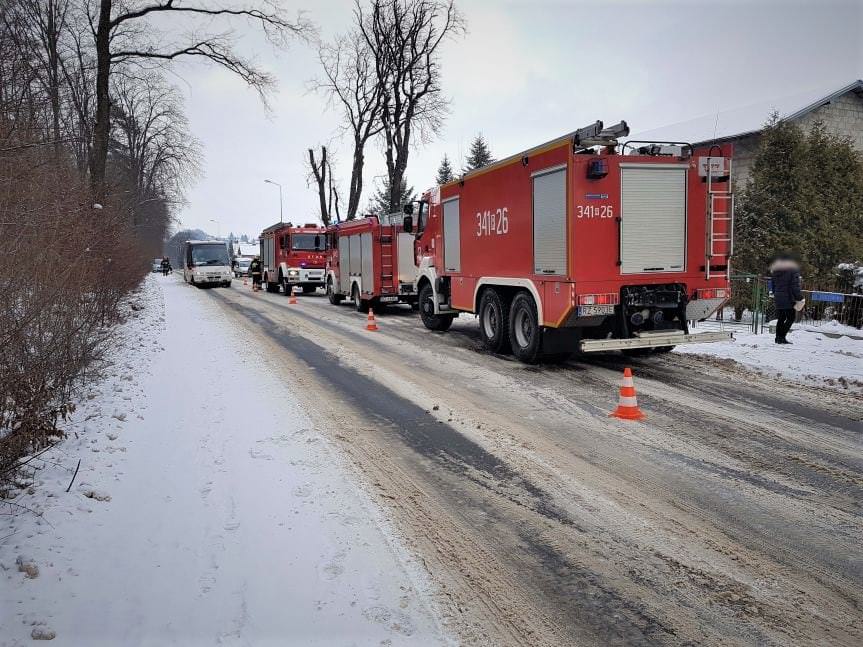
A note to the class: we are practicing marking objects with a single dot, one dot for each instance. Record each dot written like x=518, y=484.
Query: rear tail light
x=610, y=299
x=711, y=293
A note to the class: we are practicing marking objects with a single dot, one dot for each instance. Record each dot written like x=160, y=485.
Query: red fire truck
x=580, y=244
x=371, y=262
x=293, y=256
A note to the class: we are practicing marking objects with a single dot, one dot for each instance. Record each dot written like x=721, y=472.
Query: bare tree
x=41, y=24
x=404, y=37
x=350, y=80
x=152, y=136
x=328, y=196
x=123, y=35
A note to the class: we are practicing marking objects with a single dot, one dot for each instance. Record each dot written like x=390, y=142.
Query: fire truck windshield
x=308, y=242
x=210, y=255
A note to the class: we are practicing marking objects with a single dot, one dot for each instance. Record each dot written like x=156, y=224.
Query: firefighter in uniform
x=166, y=266
x=256, y=271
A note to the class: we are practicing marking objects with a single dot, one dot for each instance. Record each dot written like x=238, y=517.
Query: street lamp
x=218, y=228
x=281, y=214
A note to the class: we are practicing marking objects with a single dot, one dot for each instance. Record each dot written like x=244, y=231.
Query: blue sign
x=829, y=297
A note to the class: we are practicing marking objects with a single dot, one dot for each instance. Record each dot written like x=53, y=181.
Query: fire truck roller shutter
x=549, y=221
x=344, y=285
x=368, y=279
x=451, y=236
x=653, y=218
x=406, y=263
x=355, y=266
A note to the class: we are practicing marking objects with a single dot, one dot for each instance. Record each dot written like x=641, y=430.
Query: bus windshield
x=308, y=242
x=210, y=255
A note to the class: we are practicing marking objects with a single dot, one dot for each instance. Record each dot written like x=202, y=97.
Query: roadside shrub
x=65, y=267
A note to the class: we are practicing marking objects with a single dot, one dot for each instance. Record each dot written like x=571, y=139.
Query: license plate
x=593, y=311
x=388, y=299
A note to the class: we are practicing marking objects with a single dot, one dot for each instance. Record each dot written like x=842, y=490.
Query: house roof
x=747, y=120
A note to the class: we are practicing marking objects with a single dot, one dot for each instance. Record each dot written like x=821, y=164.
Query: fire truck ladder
x=386, y=260
x=720, y=220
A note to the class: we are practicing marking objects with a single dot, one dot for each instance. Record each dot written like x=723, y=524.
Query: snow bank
x=820, y=355
x=207, y=509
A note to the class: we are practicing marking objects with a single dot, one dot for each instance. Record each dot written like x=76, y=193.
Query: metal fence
x=745, y=310
x=822, y=307
x=752, y=307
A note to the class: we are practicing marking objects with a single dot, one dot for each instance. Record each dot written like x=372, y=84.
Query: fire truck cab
x=580, y=245
x=293, y=256
x=371, y=261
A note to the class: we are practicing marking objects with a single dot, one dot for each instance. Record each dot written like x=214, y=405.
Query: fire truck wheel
x=524, y=334
x=494, y=321
x=429, y=318
x=334, y=298
x=359, y=303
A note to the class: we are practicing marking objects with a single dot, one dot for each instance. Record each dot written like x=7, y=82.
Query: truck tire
x=430, y=319
x=524, y=334
x=334, y=298
x=286, y=288
x=494, y=321
x=269, y=285
x=359, y=303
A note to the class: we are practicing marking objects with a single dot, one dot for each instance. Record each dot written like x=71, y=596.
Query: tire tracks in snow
x=648, y=535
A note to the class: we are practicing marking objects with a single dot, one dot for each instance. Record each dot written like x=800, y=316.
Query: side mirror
x=408, y=208
x=408, y=224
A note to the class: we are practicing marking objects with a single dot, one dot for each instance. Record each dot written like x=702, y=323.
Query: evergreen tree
x=380, y=201
x=480, y=154
x=444, y=171
x=804, y=194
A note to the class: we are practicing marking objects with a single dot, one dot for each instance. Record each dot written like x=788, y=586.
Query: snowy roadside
x=207, y=509
x=827, y=356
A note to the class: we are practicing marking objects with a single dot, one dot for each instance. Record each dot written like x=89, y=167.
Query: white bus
x=206, y=262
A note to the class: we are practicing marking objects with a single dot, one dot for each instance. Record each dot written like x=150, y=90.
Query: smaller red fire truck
x=371, y=261
x=293, y=256
x=581, y=244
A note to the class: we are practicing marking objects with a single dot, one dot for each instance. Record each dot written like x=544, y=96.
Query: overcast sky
x=524, y=73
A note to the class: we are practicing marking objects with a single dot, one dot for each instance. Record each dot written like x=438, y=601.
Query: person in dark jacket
x=166, y=266
x=256, y=270
x=787, y=294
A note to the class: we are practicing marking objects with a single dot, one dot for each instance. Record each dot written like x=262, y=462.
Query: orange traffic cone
x=627, y=407
x=370, y=321
x=293, y=300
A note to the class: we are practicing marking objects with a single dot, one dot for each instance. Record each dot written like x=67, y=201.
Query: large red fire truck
x=371, y=262
x=293, y=256
x=580, y=244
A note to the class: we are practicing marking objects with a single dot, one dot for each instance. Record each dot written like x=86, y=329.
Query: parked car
x=241, y=267
x=157, y=265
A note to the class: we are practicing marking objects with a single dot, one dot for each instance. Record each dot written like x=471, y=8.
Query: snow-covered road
x=207, y=510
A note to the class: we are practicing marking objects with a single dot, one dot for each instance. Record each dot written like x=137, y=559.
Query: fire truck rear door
x=653, y=218
x=451, y=236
